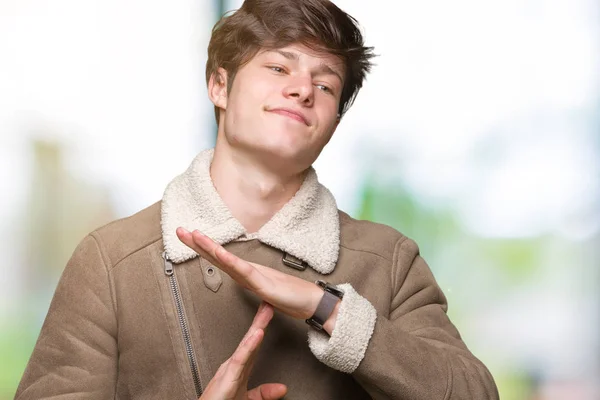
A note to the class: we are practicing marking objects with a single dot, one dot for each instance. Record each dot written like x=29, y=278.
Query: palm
x=293, y=296
x=283, y=291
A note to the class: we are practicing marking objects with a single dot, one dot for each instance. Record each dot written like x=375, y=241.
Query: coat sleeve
x=76, y=353
x=414, y=351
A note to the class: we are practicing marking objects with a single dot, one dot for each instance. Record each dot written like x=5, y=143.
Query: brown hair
x=270, y=24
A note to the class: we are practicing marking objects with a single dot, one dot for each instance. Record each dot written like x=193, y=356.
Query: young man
x=154, y=305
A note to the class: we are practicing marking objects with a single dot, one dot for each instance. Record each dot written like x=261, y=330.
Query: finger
x=268, y=391
x=238, y=364
x=263, y=316
x=243, y=272
x=207, y=248
x=261, y=320
x=187, y=238
x=234, y=372
x=205, y=243
x=204, y=246
x=221, y=370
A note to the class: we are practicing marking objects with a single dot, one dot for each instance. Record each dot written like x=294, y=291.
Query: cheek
x=249, y=101
x=328, y=119
x=234, y=138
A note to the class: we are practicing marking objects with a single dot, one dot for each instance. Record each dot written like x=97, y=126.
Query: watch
x=331, y=295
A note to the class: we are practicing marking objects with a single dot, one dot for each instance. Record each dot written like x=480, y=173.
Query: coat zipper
x=183, y=323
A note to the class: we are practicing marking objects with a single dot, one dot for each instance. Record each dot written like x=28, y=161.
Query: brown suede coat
x=112, y=330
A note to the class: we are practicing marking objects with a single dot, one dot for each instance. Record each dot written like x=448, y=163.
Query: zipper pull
x=168, y=264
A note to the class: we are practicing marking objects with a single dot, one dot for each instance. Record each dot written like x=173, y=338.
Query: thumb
x=267, y=391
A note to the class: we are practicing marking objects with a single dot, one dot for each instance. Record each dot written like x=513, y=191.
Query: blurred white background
x=477, y=133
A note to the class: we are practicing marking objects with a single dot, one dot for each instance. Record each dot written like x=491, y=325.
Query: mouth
x=293, y=114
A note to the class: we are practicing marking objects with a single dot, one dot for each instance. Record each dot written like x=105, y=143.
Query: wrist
x=327, y=308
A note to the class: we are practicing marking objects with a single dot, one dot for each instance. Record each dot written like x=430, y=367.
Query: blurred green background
x=477, y=134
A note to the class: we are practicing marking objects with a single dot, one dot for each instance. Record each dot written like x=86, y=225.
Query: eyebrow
x=323, y=68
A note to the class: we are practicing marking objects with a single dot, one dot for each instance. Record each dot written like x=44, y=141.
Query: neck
x=252, y=192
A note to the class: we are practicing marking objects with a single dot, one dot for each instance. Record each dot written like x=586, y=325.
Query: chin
x=283, y=150
x=283, y=153
x=283, y=142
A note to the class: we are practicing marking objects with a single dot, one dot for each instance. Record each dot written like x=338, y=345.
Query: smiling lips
x=288, y=112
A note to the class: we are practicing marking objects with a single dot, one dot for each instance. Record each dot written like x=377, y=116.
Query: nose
x=301, y=89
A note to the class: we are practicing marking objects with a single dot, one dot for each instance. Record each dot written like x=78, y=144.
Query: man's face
x=283, y=104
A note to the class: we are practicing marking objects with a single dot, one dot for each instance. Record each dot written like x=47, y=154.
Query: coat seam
x=397, y=249
x=395, y=289
x=105, y=264
x=366, y=251
x=449, y=375
x=141, y=248
x=449, y=379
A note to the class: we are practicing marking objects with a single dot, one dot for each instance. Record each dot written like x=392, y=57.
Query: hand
x=231, y=380
x=293, y=296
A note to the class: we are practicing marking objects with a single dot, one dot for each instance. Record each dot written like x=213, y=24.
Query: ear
x=217, y=88
x=337, y=123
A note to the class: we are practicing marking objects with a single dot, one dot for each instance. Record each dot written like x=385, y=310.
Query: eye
x=324, y=88
x=277, y=69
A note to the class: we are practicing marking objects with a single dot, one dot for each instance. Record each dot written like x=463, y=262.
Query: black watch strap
x=331, y=296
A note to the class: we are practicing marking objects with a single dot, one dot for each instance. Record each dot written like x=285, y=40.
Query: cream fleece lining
x=346, y=347
x=307, y=227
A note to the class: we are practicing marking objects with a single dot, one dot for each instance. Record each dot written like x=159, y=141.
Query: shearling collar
x=307, y=227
